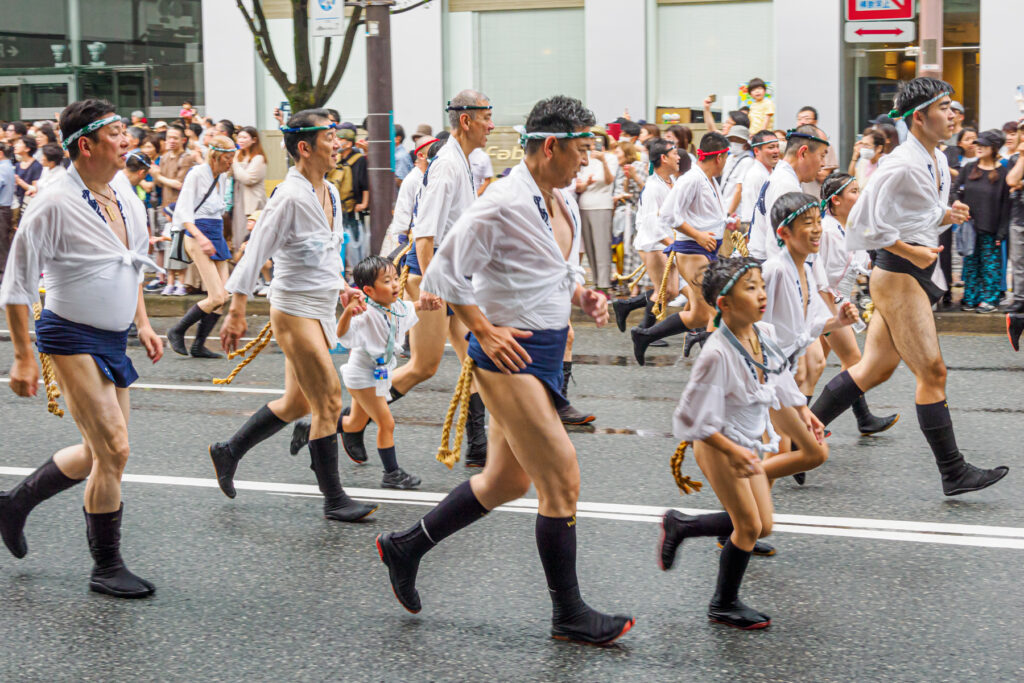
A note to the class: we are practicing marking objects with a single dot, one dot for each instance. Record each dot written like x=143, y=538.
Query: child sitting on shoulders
x=372, y=330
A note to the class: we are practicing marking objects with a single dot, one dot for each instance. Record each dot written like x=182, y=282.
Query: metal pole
x=379, y=122
x=929, y=62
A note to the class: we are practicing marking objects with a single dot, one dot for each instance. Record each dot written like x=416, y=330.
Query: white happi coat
x=836, y=268
x=794, y=330
x=694, y=199
x=649, y=231
x=763, y=241
x=447, y=192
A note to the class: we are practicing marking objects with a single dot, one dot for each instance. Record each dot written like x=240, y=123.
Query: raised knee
x=747, y=531
x=819, y=455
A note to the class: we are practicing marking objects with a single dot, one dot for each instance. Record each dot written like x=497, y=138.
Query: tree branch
x=261, y=38
x=410, y=7
x=322, y=76
x=346, y=50
x=300, y=27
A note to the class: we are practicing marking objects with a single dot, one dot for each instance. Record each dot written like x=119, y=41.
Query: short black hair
x=787, y=204
x=47, y=130
x=659, y=148
x=303, y=119
x=761, y=136
x=399, y=133
x=367, y=271
x=53, y=153
x=713, y=142
x=30, y=142
x=136, y=162
x=794, y=145
x=631, y=128
x=558, y=114
x=443, y=136
x=80, y=114
x=197, y=129
x=229, y=128
x=334, y=115
x=739, y=118
x=756, y=83
x=719, y=273
x=19, y=127
x=434, y=148
x=832, y=183
x=810, y=109
x=916, y=92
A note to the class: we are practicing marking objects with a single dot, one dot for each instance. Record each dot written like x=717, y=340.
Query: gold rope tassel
x=635, y=275
x=404, y=276
x=685, y=484
x=49, y=376
x=257, y=344
x=448, y=453
x=660, y=309
x=869, y=310
x=739, y=242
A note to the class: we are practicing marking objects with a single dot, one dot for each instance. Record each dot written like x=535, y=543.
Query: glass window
x=525, y=56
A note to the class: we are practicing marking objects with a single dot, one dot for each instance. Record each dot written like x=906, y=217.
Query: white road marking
x=849, y=527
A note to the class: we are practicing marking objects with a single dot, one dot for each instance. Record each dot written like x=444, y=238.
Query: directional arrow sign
x=880, y=32
x=879, y=10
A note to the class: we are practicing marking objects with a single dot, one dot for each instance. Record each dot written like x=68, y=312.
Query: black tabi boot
x=623, y=307
x=109, y=575
x=761, y=549
x=353, y=442
x=839, y=394
x=571, y=618
x=45, y=482
x=176, y=334
x=205, y=327
x=642, y=337
x=337, y=505
x=226, y=454
x=476, y=433
x=1014, y=328
x=568, y=414
x=650, y=320
x=726, y=607
x=395, y=395
x=693, y=337
x=677, y=527
x=958, y=476
x=870, y=424
x=401, y=552
x=300, y=435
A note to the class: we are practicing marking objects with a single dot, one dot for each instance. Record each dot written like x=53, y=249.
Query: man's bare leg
x=898, y=297
x=528, y=443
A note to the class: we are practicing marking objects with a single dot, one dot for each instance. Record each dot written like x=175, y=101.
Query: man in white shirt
x=739, y=161
x=808, y=116
x=88, y=233
x=766, y=155
x=483, y=170
x=447, y=192
x=900, y=214
x=301, y=228
x=520, y=246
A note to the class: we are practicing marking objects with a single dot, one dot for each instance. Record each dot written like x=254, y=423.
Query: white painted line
x=849, y=527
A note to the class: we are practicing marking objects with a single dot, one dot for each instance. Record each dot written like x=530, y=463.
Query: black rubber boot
x=203, y=330
x=16, y=504
x=300, y=435
x=761, y=549
x=353, y=442
x=623, y=307
x=337, y=505
x=693, y=337
x=224, y=464
x=650, y=320
x=1014, y=329
x=726, y=607
x=403, y=564
x=677, y=527
x=176, y=334
x=643, y=337
x=840, y=393
x=395, y=395
x=573, y=620
x=958, y=476
x=570, y=416
x=870, y=424
x=225, y=455
x=109, y=574
x=476, y=433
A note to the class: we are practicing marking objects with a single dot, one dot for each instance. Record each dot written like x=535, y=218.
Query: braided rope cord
x=739, y=242
x=635, y=274
x=685, y=483
x=49, y=375
x=258, y=343
x=448, y=453
x=404, y=277
x=660, y=309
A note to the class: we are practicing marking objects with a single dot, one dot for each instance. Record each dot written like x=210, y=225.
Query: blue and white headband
x=540, y=135
x=307, y=129
x=826, y=200
x=90, y=128
x=729, y=285
x=895, y=113
x=222, y=149
x=791, y=217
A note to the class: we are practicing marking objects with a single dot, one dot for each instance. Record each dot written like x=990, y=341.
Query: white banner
x=326, y=18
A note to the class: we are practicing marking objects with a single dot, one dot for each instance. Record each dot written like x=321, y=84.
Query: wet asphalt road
x=263, y=588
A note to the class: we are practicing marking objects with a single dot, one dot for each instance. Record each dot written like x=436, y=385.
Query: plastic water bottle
x=858, y=326
x=380, y=378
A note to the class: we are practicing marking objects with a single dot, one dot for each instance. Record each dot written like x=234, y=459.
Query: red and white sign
x=880, y=10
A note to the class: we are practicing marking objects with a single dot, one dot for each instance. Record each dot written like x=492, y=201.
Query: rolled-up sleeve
x=32, y=246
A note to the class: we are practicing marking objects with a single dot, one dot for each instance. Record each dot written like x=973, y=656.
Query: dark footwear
x=344, y=509
x=673, y=533
x=110, y=575
x=694, y=337
x=224, y=464
x=203, y=330
x=176, y=340
x=739, y=616
x=876, y=425
x=176, y=334
x=659, y=344
x=575, y=621
x=476, y=432
x=402, y=571
x=203, y=352
x=571, y=416
x=352, y=442
x=640, y=343
x=16, y=504
x=970, y=478
x=800, y=478
x=323, y=453
x=761, y=549
x=622, y=308
x=1014, y=328
x=300, y=435
x=400, y=479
